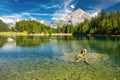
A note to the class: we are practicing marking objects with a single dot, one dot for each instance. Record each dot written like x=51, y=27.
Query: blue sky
x=49, y=10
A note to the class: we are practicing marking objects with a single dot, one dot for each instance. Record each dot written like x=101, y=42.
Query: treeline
x=102, y=24
x=3, y=26
x=31, y=26
x=64, y=29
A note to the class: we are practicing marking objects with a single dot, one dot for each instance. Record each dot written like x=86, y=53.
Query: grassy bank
x=13, y=33
x=36, y=34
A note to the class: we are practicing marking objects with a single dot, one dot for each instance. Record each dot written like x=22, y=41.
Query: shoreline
x=106, y=35
x=52, y=34
x=98, y=35
x=37, y=34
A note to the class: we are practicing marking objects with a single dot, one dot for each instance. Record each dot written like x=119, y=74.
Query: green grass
x=13, y=33
x=36, y=34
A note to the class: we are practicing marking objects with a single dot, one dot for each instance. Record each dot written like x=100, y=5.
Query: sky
x=48, y=10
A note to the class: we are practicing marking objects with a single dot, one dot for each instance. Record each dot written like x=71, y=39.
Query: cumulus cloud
x=13, y=18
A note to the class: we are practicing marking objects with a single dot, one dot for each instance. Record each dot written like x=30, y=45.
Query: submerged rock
x=10, y=40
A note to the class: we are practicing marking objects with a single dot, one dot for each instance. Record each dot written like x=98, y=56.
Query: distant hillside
x=44, y=22
x=58, y=23
x=3, y=26
x=115, y=8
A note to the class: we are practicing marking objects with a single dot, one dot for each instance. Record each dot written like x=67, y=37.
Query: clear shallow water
x=52, y=58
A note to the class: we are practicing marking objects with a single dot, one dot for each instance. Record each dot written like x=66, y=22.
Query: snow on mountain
x=77, y=16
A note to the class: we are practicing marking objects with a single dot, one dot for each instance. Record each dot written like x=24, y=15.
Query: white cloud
x=94, y=14
x=72, y=6
x=61, y=13
x=50, y=7
x=39, y=14
x=12, y=19
x=68, y=11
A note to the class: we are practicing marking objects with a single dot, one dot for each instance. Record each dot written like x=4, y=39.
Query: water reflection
x=30, y=41
x=50, y=58
x=2, y=41
x=104, y=45
x=8, y=46
x=55, y=46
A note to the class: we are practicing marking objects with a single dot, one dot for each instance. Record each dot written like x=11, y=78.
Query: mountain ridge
x=77, y=16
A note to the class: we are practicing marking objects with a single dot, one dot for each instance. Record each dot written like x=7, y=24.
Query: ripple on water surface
x=52, y=58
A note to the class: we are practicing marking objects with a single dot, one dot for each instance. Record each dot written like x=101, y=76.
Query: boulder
x=10, y=40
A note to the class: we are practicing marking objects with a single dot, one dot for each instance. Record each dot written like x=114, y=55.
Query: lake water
x=53, y=58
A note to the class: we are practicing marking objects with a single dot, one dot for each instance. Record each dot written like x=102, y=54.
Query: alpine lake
x=53, y=58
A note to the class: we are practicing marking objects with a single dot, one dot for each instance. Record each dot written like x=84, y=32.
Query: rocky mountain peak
x=79, y=11
x=76, y=17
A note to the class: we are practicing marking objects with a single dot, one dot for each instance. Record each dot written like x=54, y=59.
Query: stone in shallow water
x=10, y=40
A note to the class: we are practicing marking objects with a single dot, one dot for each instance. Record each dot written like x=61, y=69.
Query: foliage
x=102, y=24
x=2, y=41
x=81, y=28
x=31, y=26
x=64, y=29
x=3, y=27
x=12, y=29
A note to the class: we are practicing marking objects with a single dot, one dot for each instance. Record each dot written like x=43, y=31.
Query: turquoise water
x=53, y=58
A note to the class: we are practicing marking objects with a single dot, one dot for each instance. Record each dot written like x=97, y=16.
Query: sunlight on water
x=53, y=58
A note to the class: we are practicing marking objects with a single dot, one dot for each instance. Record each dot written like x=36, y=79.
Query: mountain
x=56, y=24
x=3, y=26
x=44, y=22
x=10, y=24
x=115, y=7
x=76, y=17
